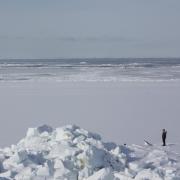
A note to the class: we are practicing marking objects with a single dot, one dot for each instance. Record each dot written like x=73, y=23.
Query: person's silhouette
x=164, y=133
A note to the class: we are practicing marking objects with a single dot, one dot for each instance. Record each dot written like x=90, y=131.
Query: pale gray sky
x=89, y=28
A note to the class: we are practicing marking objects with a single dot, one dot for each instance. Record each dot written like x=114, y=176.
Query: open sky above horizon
x=89, y=28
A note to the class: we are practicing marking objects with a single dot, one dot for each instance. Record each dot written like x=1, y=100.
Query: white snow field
x=72, y=153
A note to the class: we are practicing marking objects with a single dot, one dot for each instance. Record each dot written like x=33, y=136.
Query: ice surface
x=72, y=153
x=93, y=69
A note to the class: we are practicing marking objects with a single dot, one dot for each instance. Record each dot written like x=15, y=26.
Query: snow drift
x=72, y=153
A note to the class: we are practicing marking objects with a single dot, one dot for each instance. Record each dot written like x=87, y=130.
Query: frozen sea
x=128, y=69
x=124, y=100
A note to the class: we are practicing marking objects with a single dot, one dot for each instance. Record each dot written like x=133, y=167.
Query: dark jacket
x=164, y=134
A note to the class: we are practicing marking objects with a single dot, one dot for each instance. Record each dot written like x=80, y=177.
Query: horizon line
x=88, y=58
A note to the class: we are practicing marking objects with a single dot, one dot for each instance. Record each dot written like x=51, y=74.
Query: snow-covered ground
x=72, y=153
x=124, y=112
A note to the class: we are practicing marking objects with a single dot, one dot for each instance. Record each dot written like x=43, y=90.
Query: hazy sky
x=89, y=28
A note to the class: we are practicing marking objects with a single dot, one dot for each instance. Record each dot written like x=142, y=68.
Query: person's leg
x=164, y=141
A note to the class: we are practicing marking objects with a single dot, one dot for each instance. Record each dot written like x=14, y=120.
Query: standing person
x=164, y=133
